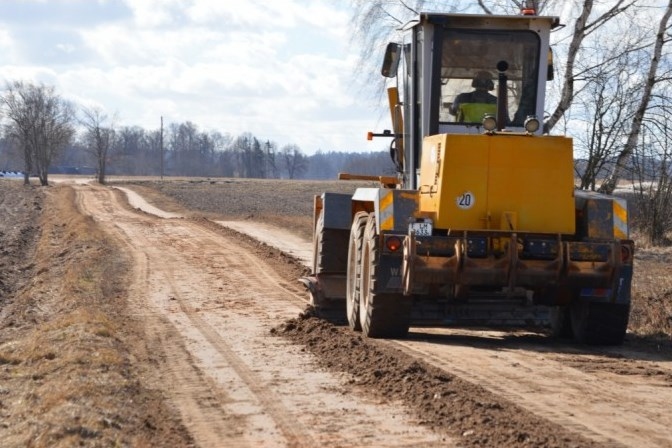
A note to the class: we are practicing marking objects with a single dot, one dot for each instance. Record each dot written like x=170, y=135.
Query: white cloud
x=152, y=13
x=280, y=70
x=7, y=46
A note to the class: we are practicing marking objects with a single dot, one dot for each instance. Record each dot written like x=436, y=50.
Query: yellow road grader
x=482, y=223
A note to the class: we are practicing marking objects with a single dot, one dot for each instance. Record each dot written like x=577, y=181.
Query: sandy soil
x=119, y=327
x=210, y=305
x=577, y=389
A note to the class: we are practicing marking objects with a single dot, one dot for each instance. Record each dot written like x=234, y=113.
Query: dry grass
x=68, y=378
x=651, y=313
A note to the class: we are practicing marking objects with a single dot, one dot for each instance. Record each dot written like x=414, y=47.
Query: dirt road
x=618, y=397
x=209, y=305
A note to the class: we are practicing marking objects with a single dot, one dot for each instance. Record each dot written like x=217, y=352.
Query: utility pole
x=161, y=145
x=267, y=161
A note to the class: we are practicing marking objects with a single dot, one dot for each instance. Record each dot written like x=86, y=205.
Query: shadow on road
x=635, y=347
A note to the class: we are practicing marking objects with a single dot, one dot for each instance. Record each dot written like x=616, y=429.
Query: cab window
x=469, y=77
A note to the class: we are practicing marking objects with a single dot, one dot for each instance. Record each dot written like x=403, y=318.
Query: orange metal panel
x=471, y=182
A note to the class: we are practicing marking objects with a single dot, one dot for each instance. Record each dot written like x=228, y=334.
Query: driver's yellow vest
x=473, y=112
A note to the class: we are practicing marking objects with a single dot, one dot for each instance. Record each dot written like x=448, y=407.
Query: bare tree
x=583, y=26
x=20, y=114
x=242, y=148
x=137, y=151
x=604, y=106
x=374, y=24
x=652, y=175
x=40, y=121
x=99, y=135
x=652, y=78
x=183, y=145
x=294, y=160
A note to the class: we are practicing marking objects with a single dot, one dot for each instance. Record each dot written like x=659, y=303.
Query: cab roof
x=482, y=20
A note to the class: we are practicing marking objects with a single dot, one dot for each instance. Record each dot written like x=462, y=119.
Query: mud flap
x=596, y=323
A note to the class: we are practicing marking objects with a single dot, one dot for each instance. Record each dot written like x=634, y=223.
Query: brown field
x=284, y=202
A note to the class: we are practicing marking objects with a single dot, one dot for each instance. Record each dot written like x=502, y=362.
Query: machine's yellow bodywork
x=510, y=182
x=482, y=224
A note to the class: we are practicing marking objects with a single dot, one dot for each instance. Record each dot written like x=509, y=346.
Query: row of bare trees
x=42, y=127
x=621, y=94
x=612, y=87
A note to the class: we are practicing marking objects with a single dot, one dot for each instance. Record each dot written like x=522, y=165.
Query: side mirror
x=549, y=74
x=391, y=60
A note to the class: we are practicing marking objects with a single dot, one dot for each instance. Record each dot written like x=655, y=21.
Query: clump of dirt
x=69, y=351
x=446, y=403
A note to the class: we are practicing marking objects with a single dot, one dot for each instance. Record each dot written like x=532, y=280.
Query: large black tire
x=329, y=256
x=355, y=269
x=382, y=315
x=561, y=324
x=596, y=323
x=329, y=253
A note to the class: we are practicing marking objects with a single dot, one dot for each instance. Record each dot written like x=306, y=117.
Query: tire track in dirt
x=209, y=307
x=292, y=431
x=209, y=424
x=609, y=409
x=180, y=372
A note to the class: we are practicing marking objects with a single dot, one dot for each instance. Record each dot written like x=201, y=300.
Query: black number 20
x=465, y=200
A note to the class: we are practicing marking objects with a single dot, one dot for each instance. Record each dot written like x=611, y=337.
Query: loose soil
x=121, y=328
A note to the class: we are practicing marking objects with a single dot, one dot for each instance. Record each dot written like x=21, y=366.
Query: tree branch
x=610, y=183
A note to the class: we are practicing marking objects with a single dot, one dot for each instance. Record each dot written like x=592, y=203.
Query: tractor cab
x=486, y=73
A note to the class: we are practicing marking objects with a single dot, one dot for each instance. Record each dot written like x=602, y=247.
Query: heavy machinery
x=482, y=223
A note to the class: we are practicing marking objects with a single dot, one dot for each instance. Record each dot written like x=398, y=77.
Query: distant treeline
x=187, y=151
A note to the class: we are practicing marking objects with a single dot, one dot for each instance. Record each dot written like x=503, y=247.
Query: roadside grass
x=651, y=311
x=66, y=366
x=68, y=377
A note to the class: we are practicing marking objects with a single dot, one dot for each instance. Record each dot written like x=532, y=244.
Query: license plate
x=421, y=228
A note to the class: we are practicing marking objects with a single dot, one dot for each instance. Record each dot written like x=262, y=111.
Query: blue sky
x=281, y=69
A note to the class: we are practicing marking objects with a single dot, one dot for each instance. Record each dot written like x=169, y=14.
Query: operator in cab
x=469, y=107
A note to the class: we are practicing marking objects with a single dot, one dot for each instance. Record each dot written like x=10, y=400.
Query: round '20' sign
x=466, y=200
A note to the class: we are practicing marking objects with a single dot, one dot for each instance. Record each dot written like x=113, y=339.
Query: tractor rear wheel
x=382, y=315
x=354, y=269
x=597, y=323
